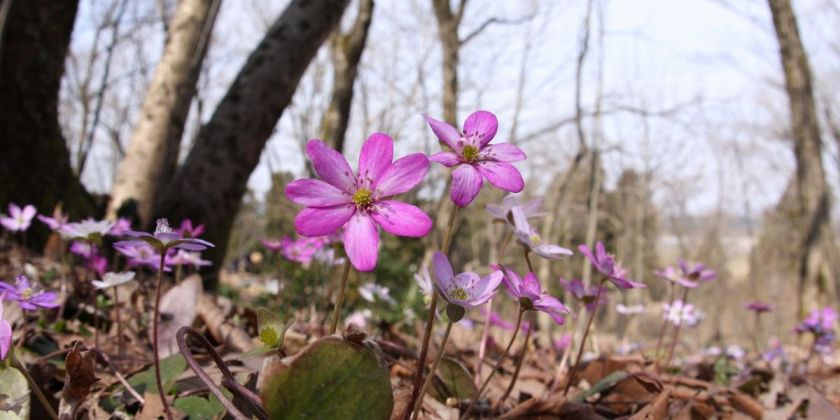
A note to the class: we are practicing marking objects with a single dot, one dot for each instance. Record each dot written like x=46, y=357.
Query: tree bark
x=153, y=151
x=811, y=217
x=448, y=23
x=209, y=186
x=35, y=167
x=346, y=52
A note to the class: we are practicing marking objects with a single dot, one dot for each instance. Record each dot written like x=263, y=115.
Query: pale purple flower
x=111, y=279
x=776, y=351
x=302, y=250
x=607, y=265
x=735, y=352
x=758, y=306
x=5, y=331
x=359, y=318
x=502, y=212
x=18, y=219
x=187, y=229
x=27, y=296
x=97, y=263
x=89, y=230
x=372, y=292
x=466, y=289
x=360, y=201
x=475, y=159
x=496, y=320
x=562, y=342
x=819, y=321
x=696, y=273
x=591, y=297
x=531, y=239
x=530, y=295
x=326, y=256
x=165, y=238
x=192, y=258
x=680, y=313
x=140, y=253
x=82, y=249
x=55, y=222
x=121, y=226
x=424, y=281
x=272, y=245
x=674, y=275
x=629, y=310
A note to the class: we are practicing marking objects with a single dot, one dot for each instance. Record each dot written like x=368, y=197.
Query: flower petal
x=404, y=174
x=29, y=212
x=444, y=132
x=520, y=222
x=331, y=166
x=552, y=252
x=5, y=336
x=322, y=221
x=444, y=277
x=448, y=159
x=376, y=156
x=315, y=193
x=489, y=283
x=483, y=124
x=502, y=175
x=466, y=183
x=401, y=219
x=361, y=242
x=512, y=282
x=502, y=152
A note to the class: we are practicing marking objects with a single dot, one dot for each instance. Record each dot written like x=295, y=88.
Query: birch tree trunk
x=210, y=184
x=811, y=217
x=346, y=52
x=153, y=151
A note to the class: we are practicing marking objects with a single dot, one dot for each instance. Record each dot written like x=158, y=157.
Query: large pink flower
x=359, y=201
x=475, y=159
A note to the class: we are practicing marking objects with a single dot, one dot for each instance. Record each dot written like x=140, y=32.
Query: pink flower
x=5, y=331
x=530, y=295
x=465, y=289
x=359, y=201
x=121, y=226
x=58, y=220
x=531, y=239
x=503, y=212
x=164, y=238
x=28, y=296
x=697, y=273
x=301, y=250
x=189, y=231
x=758, y=306
x=562, y=342
x=590, y=297
x=272, y=245
x=18, y=219
x=475, y=159
x=608, y=266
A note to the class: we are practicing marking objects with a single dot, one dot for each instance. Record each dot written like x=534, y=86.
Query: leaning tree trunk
x=811, y=216
x=35, y=164
x=346, y=52
x=210, y=184
x=153, y=151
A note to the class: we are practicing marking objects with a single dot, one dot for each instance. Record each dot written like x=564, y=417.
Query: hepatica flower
x=372, y=292
x=139, y=253
x=55, y=222
x=696, y=273
x=5, y=331
x=121, y=226
x=424, y=281
x=301, y=250
x=530, y=295
x=187, y=229
x=28, y=297
x=360, y=201
x=474, y=159
x=192, y=258
x=111, y=279
x=531, y=239
x=758, y=306
x=607, y=265
x=674, y=275
x=503, y=212
x=89, y=230
x=165, y=238
x=591, y=297
x=272, y=245
x=680, y=313
x=465, y=290
x=18, y=219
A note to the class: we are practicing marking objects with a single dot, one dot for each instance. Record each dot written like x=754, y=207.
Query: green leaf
x=455, y=381
x=330, y=379
x=14, y=394
x=170, y=368
x=199, y=408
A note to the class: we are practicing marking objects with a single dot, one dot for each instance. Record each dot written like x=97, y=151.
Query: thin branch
x=497, y=21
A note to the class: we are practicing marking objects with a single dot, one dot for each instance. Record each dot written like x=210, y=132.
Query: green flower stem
x=583, y=340
x=155, y=320
x=498, y=363
x=431, y=376
x=32, y=384
x=430, y=321
x=340, y=300
x=676, y=335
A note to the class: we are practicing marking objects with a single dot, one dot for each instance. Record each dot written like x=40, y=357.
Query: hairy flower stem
x=583, y=340
x=533, y=323
x=662, y=330
x=340, y=300
x=498, y=363
x=676, y=335
x=430, y=321
x=120, y=347
x=155, y=321
x=431, y=376
x=485, y=333
x=32, y=384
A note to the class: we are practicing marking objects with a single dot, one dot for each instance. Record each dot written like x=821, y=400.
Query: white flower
x=371, y=292
x=679, y=313
x=736, y=352
x=359, y=318
x=629, y=310
x=424, y=281
x=86, y=229
x=273, y=287
x=111, y=279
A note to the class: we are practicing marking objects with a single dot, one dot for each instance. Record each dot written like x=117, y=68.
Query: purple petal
x=532, y=208
x=551, y=251
x=496, y=211
x=502, y=175
x=5, y=336
x=315, y=193
x=520, y=222
x=466, y=183
x=404, y=174
x=361, y=242
x=502, y=152
x=45, y=299
x=14, y=210
x=444, y=132
x=322, y=221
x=401, y=219
x=448, y=159
x=482, y=124
x=9, y=223
x=530, y=287
x=376, y=156
x=29, y=212
x=600, y=251
x=512, y=282
x=488, y=284
x=443, y=271
x=588, y=254
x=331, y=166
x=136, y=234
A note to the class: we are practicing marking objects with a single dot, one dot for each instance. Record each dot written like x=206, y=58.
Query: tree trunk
x=208, y=188
x=35, y=167
x=346, y=52
x=813, y=207
x=153, y=151
x=448, y=23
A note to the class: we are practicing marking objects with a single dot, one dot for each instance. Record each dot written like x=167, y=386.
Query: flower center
x=458, y=293
x=469, y=153
x=27, y=293
x=363, y=197
x=535, y=238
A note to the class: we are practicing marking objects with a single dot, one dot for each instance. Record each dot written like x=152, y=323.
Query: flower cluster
x=680, y=313
x=820, y=323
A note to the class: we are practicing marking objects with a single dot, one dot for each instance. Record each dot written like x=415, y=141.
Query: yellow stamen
x=469, y=153
x=458, y=293
x=363, y=197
